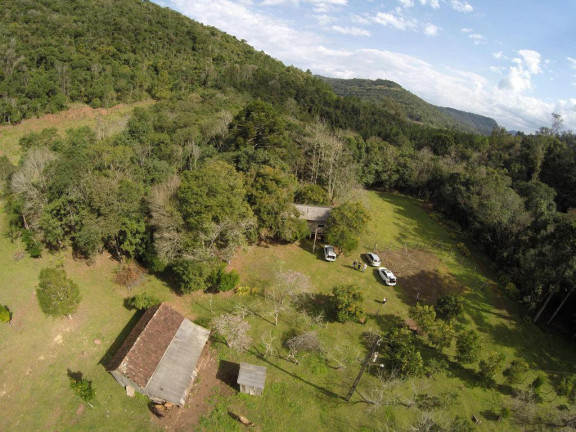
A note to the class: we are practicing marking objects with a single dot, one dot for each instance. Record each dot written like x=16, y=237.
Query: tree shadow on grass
x=315, y=305
x=322, y=390
x=76, y=376
x=113, y=349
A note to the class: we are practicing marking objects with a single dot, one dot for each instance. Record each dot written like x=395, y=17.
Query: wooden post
x=363, y=368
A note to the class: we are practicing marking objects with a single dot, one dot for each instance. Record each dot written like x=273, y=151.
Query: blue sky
x=512, y=60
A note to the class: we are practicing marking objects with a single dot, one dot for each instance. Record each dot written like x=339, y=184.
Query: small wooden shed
x=251, y=379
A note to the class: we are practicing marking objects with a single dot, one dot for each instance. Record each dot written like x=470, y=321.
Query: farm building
x=251, y=379
x=316, y=216
x=159, y=356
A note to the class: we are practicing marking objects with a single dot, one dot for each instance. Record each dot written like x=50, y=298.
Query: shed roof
x=313, y=213
x=161, y=352
x=252, y=375
x=146, y=344
x=174, y=373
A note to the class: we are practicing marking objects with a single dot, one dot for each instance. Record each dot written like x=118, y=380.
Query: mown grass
x=37, y=351
x=312, y=393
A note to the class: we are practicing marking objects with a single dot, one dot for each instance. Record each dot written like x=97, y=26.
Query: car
x=387, y=276
x=329, y=254
x=373, y=259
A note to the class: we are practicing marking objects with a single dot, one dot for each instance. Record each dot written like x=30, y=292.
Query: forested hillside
x=235, y=139
x=406, y=105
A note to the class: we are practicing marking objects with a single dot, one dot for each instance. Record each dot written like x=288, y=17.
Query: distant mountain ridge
x=406, y=105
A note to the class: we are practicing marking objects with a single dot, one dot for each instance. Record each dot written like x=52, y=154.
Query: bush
x=195, y=275
x=143, y=301
x=514, y=373
x=129, y=275
x=489, y=367
x=33, y=247
x=83, y=388
x=5, y=314
x=467, y=347
x=227, y=280
x=449, y=306
x=567, y=387
x=57, y=294
x=347, y=302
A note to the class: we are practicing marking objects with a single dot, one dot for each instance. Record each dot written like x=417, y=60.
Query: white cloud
x=498, y=55
x=353, y=31
x=498, y=69
x=466, y=30
x=406, y=3
x=462, y=6
x=477, y=38
x=324, y=19
x=572, y=62
x=532, y=60
x=317, y=5
x=396, y=21
x=357, y=19
x=519, y=78
x=430, y=30
x=507, y=102
x=434, y=4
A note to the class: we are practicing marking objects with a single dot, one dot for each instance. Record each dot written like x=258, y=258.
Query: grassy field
x=105, y=121
x=37, y=351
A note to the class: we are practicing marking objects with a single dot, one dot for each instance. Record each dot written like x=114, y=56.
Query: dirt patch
x=198, y=404
x=421, y=275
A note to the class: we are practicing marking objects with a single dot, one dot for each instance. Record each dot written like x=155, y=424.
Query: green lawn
x=37, y=351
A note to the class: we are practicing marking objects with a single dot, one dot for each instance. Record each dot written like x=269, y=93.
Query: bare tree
x=268, y=341
x=241, y=310
x=342, y=354
x=234, y=330
x=308, y=341
x=30, y=182
x=165, y=219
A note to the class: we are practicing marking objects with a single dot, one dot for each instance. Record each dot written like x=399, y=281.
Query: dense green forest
x=406, y=105
x=235, y=139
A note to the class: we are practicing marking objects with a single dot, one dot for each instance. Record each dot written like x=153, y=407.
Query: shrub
x=5, y=315
x=228, y=280
x=83, y=388
x=467, y=347
x=129, y=275
x=347, y=302
x=489, y=367
x=567, y=387
x=449, y=306
x=33, y=247
x=195, y=275
x=57, y=294
x=514, y=373
x=143, y=301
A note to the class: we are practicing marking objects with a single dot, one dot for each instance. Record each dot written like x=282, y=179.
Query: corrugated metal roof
x=172, y=378
x=313, y=213
x=161, y=352
x=252, y=375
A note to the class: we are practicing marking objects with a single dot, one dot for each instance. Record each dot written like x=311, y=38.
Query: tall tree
x=345, y=224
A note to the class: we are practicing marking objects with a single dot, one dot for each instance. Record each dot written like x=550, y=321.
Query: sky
x=511, y=60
